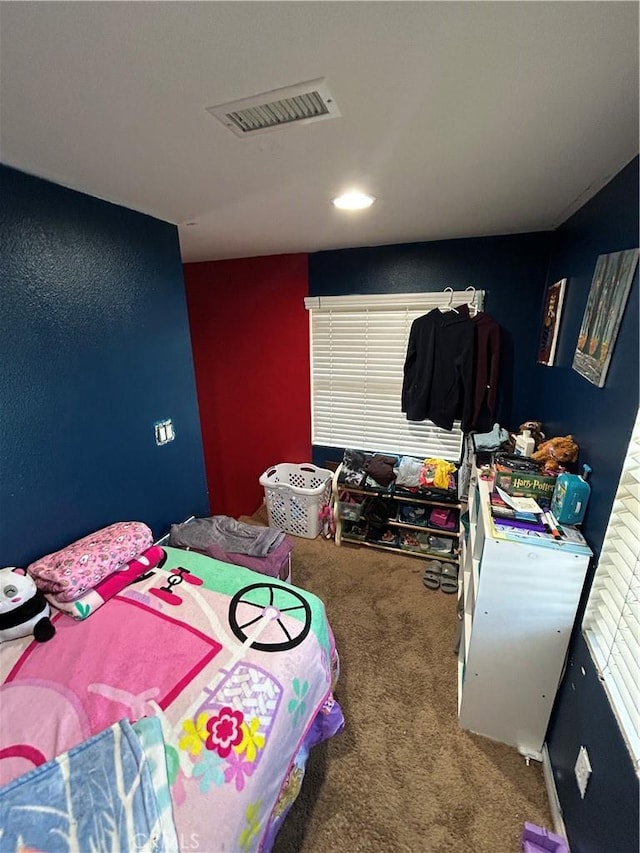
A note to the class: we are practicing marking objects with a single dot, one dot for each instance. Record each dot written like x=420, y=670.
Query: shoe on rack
x=442, y=546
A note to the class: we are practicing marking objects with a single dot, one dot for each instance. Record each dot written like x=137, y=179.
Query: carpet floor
x=402, y=776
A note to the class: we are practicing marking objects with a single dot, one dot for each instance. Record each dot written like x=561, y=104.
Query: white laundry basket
x=294, y=495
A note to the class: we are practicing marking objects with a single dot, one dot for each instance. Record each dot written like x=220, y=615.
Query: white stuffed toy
x=23, y=608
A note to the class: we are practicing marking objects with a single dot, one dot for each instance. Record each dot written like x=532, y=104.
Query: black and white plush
x=23, y=608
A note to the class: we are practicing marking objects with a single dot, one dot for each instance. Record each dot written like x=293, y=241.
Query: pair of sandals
x=442, y=576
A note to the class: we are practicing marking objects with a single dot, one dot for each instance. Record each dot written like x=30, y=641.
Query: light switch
x=164, y=431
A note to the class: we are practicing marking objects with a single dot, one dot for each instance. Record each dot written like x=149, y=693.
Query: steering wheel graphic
x=267, y=602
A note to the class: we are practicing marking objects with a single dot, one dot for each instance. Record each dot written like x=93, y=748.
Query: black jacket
x=439, y=377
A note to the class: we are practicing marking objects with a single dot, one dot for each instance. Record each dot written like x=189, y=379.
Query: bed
x=224, y=673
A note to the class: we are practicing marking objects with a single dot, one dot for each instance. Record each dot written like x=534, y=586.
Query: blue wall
x=511, y=270
x=94, y=348
x=602, y=420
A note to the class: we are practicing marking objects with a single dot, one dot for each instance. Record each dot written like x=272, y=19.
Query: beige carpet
x=402, y=776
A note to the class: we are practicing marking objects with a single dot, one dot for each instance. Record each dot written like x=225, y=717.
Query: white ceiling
x=464, y=119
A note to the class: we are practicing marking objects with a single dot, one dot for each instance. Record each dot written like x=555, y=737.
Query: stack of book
x=513, y=523
x=506, y=515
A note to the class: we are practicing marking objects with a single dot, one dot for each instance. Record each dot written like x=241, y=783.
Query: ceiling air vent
x=304, y=103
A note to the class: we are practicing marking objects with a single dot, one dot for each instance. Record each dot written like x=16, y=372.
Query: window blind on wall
x=611, y=623
x=358, y=350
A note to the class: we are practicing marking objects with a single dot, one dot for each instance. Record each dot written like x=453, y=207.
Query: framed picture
x=553, y=301
x=608, y=296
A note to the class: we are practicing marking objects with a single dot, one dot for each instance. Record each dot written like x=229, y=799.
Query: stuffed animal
x=23, y=608
x=556, y=453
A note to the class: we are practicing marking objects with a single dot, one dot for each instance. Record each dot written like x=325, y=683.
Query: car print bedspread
x=238, y=667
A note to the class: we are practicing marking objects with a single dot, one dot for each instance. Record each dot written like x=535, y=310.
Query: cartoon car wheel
x=266, y=603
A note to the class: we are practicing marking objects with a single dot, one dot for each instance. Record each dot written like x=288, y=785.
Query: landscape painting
x=608, y=296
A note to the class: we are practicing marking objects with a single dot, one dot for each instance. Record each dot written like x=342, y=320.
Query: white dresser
x=520, y=600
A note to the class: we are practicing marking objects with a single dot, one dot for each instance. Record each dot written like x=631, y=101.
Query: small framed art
x=553, y=301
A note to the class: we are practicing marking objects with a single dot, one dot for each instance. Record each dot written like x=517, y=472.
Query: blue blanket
x=108, y=793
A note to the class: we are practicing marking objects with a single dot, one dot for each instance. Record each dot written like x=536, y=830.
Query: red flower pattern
x=225, y=731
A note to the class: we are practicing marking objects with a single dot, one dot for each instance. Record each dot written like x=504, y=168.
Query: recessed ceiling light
x=353, y=201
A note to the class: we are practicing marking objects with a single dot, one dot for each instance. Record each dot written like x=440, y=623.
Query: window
x=358, y=349
x=611, y=623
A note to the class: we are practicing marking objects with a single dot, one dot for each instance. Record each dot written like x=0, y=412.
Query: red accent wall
x=250, y=339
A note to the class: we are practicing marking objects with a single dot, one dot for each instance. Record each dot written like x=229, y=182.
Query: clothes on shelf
x=382, y=472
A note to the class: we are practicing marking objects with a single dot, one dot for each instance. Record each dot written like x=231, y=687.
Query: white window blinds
x=611, y=623
x=358, y=349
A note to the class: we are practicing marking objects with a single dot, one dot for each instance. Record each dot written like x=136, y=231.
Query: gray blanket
x=229, y=533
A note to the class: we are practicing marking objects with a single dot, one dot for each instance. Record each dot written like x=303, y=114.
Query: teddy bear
x=23, y=608
x=556, y=453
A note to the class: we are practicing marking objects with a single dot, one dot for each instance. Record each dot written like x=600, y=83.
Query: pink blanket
x=88, y=603
x=79, y=567
x=237, y=666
